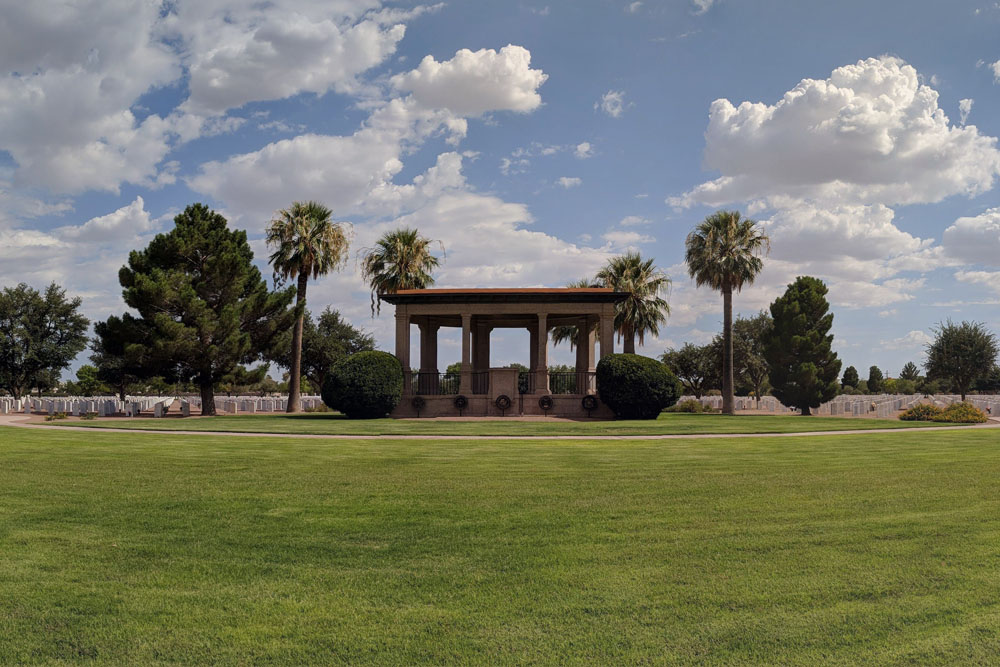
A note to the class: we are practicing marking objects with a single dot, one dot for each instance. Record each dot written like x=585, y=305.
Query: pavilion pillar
x=607, y=330
x=533, y=348
x=582, y=343
x=481, y=346
x=542, y=358
x=465, y=384
x=403, y=344
x=428, y=383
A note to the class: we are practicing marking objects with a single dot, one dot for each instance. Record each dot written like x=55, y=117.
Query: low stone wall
x=568, y=406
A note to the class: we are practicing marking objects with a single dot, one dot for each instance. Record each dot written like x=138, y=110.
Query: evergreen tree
x=40, y=334
x=203, y=301
x=119, y=351
x=804, y=368
x=910, y=372
x=875, y=380
x=961, y=353
x=851, y=378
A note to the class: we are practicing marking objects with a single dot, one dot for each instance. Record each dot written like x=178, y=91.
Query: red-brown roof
x=507, y=294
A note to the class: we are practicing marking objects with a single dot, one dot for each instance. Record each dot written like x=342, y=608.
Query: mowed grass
x=667, y=424
x=143, y=549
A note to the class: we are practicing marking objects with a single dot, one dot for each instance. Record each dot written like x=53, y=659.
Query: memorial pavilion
x=478, y=390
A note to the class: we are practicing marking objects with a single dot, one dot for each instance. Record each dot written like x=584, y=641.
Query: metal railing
x=434, y=384
x=481, y=382
x=572, y=382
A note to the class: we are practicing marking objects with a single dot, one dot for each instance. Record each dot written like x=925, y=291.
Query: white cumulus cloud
x=474, y=82
x=870, y=133
x=569, y=182
x=612, y=103
x=975, y=239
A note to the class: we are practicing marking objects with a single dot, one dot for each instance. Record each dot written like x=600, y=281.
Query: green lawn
x=142, y=549
x=668, y=423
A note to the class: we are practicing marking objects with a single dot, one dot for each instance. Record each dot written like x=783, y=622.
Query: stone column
x=542, y=359
x=428, y=357
x=582, y=343
x=465, y=386
x=533, y=348
x=607, y=330
x=403, y=344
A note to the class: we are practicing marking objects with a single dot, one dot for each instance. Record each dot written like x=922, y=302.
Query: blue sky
x=862, y=135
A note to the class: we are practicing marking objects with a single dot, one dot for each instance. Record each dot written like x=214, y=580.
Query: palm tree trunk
x=295, y=372
x=628, y=345
x=727, y=353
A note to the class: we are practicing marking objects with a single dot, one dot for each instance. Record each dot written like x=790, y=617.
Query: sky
x=533, y=140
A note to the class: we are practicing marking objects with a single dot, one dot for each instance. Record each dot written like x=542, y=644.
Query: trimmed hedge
x=636, y=387
x=365, y=385
x=690, y=405
x=921, y=412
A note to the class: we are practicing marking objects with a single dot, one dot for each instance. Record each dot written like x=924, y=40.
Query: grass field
x=668, y=423
x=143, y=549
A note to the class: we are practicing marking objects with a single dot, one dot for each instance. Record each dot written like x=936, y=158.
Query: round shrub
x=365, y=385
x=962, y=413
x=921, y=412
x=636, y=387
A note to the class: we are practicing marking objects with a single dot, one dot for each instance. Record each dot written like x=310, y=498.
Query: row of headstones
x=765, y=404
x=988, y=404
x=253, y=404
x=100, y=406
x=882, y=405
x=879, y=405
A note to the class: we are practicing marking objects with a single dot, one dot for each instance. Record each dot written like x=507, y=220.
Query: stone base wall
x=567, y=406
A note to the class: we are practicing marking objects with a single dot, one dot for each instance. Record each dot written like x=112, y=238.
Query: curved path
x=21, y=422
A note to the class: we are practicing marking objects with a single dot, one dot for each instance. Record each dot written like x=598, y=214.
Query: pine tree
x=804, y=369
x=910, y=372
x=203, y=301
x=875, y=380
x=851, y=378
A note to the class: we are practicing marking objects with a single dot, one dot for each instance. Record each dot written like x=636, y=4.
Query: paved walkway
x=22, y=422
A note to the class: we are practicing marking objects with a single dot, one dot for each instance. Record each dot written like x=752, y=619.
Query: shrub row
x=956, y=413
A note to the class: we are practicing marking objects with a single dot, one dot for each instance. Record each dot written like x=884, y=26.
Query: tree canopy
x=40, y=334
x=803, y=367
x=645, y=309
x=694, y=366
x=961, y=353
x=851, y=378
x=202, y=300
x=400, y=259
x=875, y=380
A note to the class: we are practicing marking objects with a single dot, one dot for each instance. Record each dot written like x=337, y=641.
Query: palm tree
x=723, y=252
x=401, y=259
x=566, y=332
x=644, y=310
x=306, y=242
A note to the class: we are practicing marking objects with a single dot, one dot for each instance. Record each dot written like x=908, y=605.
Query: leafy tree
x=47, y=381
x=401, y=259
x=40, y=334
x=961, y=353
x=644, y=310
x=88, y=383
x=851, y=378
x=306, y=242
x=990, y=382
x=750, y=335
x=804, y=368
x=910, y=372
x=324, y=343
x=119, y=352
x=723, y=252
x=694, y=367
x=203, y=301
x=875, y=380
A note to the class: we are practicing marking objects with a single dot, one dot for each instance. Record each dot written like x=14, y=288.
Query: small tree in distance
x=804, y=368
x=875, y=380
x=910, y=372
x=851, y=378
x=961, y=353
x=693, y=366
